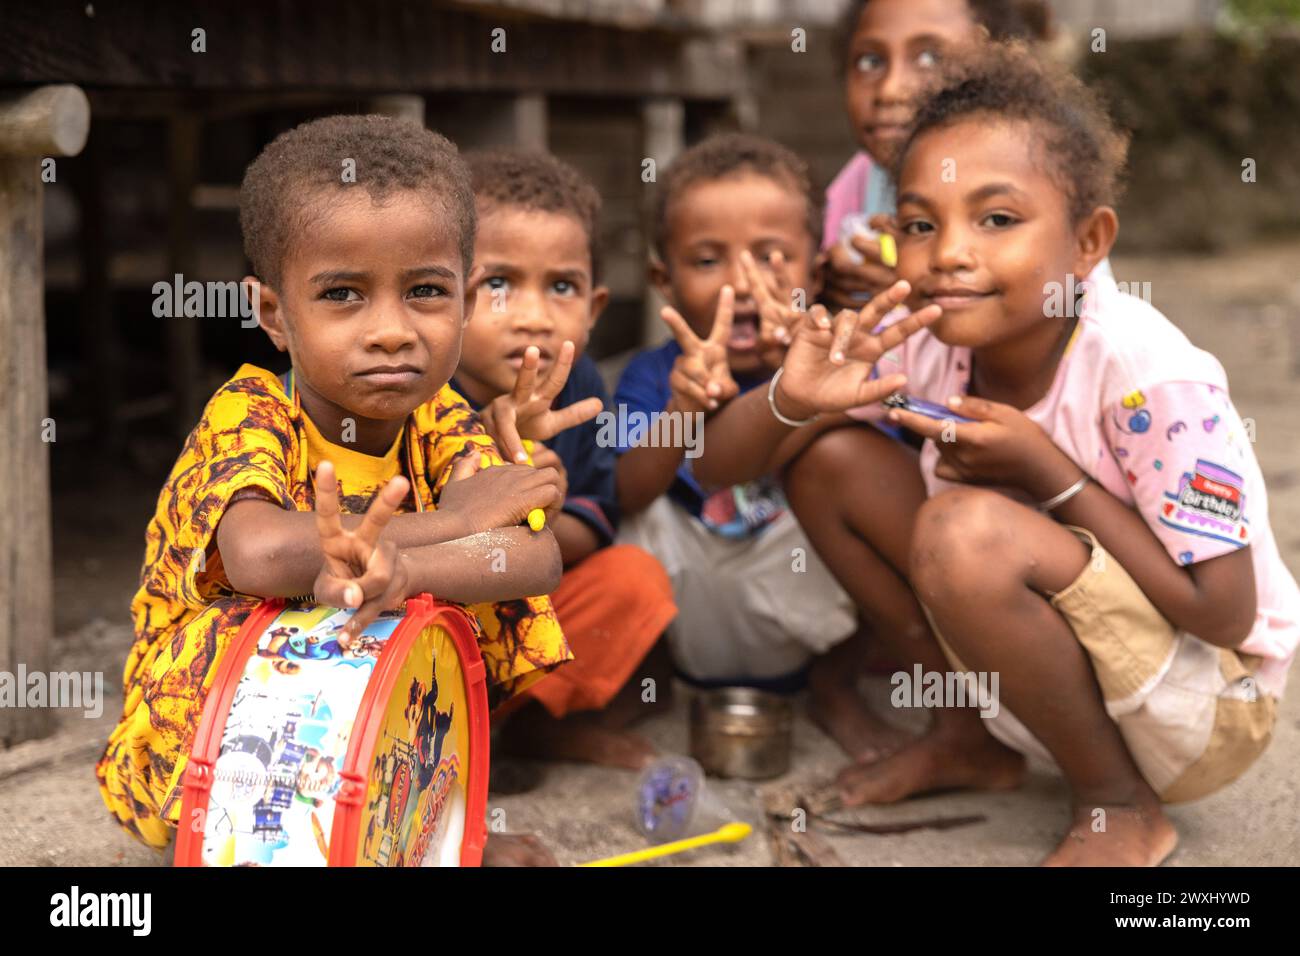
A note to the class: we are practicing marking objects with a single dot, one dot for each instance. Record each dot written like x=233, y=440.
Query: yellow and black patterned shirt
x=254, y=436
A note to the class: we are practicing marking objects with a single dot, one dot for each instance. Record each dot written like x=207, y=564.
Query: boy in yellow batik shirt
x=367, y=286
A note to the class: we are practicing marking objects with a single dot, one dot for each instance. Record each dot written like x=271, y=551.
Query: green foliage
x=1198, y=106
x=1264, y=12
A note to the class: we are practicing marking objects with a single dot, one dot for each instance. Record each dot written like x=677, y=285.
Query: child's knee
x=820, y=466
x=960, y=542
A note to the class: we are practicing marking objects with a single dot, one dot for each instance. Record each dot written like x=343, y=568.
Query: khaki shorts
x=1189, y=712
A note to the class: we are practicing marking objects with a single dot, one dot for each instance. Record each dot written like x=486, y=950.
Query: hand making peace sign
x=359, y=570
x=526, y=411
x=829, y=366
x=701, y=376
x=773, y=292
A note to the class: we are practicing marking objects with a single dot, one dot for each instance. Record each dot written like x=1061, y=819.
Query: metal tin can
x=741, y=732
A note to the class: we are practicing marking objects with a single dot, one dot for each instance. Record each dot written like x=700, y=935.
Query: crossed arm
x=375, y=561
x=270, y=551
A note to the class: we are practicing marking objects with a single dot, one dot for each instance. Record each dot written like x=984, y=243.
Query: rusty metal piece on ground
x=783, y=799
x=903, y=826
x=782, y=803
x=822, y=800
x=793, y=848
x=779, y=800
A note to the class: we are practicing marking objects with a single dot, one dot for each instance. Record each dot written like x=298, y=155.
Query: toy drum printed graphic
x=316, y=748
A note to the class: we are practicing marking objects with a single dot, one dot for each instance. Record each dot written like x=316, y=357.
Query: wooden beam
x=340, y=45
x=50, y=121
x=35, y=126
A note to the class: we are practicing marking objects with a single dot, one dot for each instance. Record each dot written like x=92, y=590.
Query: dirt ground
x=1245, y=307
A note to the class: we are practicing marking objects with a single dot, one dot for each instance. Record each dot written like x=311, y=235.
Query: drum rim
x=421, y=611
x=212, y=722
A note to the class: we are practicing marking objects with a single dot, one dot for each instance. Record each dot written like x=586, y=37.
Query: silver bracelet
x=1057, y=500
x=771, y=403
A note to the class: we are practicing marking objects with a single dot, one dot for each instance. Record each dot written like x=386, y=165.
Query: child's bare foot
x=845, y=717
x=941, y=760
x=516, y=849
x=1126, y=836
x=578, y=739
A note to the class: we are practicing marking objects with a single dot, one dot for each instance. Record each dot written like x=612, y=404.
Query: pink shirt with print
x=1147, y=415
x=844, y=195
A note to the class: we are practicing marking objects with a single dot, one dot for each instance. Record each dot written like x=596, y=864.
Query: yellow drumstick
x=536, y=517
x=731, y=833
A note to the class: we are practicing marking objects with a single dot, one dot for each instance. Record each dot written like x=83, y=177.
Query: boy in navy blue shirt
x=522, y=367
x=756, y=604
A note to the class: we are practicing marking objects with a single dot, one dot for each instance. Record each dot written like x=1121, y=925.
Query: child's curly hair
x=728, y=154
x=284, y=185
x=1005, y=81
x=537, y=181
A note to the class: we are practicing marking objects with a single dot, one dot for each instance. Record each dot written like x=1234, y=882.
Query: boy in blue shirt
x=756, y=604
x=523, y=368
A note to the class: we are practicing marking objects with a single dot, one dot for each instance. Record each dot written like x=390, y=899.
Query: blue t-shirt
x=591, y=497
x=735, y=512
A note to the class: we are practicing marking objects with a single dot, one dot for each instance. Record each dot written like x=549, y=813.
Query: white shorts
x=750, y=608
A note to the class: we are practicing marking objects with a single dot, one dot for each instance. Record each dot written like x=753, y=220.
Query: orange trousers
x=612, y=606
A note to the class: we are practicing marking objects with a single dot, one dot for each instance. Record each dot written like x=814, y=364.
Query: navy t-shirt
x=735, y=512
x=591, y=497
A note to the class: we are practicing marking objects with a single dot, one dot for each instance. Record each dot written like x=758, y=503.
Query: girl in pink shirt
x=892, y=50
x=1085, y=533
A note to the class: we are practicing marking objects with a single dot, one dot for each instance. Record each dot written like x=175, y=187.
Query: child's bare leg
x=601, y=737
x=983, y=565
x=810, y=483
x=634, y=702
x=835, y=705
x=856, y=493
x=580, y=738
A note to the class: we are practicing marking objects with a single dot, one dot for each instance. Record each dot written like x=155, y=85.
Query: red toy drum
x=318, y=748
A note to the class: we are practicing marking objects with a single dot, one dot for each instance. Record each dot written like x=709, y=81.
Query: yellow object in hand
x=731, y=833
x=536, y=517
x=888, y=250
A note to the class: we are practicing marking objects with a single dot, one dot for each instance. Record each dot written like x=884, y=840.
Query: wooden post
x=518, y=120
x=664, y=124
x=101, y=352
x=35, y=127
x=400, y=105
x=184, y=353
x=531, y=121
